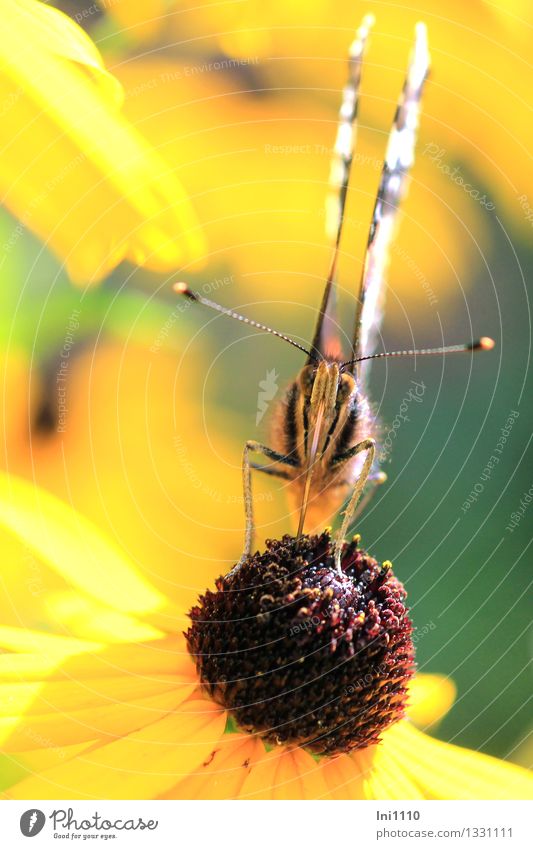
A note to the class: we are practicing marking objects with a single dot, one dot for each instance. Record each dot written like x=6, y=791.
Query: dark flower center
x=302, y=654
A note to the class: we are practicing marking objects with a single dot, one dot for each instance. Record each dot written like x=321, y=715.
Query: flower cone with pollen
x=124, y=717
x=302, y=653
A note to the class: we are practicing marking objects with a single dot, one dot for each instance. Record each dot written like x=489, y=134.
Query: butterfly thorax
x=324, y=413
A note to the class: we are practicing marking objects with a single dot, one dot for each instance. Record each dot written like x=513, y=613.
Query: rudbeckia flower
x=125, y=716
x=72, y=169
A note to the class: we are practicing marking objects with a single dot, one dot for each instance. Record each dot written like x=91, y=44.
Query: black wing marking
x=392, y=188
x=326, y=337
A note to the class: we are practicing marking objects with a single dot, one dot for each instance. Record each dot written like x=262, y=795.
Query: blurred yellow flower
x=126, y=718
x=16, y=388
x=131, y=450
x=138, y=20
x=259, y=169
x=71, y=167
x=477, y=107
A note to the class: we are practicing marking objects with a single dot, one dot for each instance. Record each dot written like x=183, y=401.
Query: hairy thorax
x=322, y=415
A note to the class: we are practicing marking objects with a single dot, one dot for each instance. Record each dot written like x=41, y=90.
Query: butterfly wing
x=326, y=341
x=392, y=188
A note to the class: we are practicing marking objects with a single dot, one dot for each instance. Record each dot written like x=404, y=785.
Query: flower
x=302, y=652
x=476, y=108
x=259, y=165
x=72, y=169
x=126, y=444
x=124, y=716
x=138, y=20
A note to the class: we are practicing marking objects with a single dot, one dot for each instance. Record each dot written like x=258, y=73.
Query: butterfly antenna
x=341, y=163
x=399, y=158
x=183, y=289
x=483, y=344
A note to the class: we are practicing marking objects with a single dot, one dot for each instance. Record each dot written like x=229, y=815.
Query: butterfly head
x=325, y=387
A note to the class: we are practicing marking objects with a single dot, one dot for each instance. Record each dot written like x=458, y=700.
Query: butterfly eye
x=307, y=380
x=346, y=388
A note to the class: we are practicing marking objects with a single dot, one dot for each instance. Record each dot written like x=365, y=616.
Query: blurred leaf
x=37, y=301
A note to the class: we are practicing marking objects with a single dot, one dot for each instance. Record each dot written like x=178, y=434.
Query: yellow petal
x=50, y=697
x=139, y=19
x=343, y=777
x=287, y=783
x=388, y=778
x=299, y=776
x=260, y=782
x=114, y=720
x=430, y=698
x=158, y=657
x=371, y=773
x=78, y=706
x=143, y=765
x=74, y=547
x=444, y=771
x=54, y=32
x=222, y=774
x=28, y=667
x=86, y=182
x=27, y=641
x=40, y=759
x=151, y=483
x=84, y=617
x=285, y=774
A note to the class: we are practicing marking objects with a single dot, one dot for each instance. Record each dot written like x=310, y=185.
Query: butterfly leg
x=375, y=480
x=369, y=446
x=256, y=447
x=266, y=470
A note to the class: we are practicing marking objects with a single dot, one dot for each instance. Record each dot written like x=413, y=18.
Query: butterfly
x=323, y=433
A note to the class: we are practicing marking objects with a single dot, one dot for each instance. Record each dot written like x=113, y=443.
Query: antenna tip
x=183, y=289
x=486, y=343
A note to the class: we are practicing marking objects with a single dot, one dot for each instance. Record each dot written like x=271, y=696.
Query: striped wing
x=392, y=188
x=326, y=341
